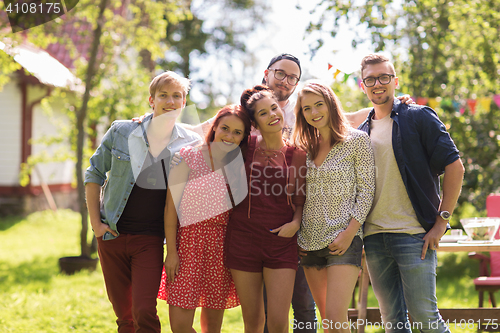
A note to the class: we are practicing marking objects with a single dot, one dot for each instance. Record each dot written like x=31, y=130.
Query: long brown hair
x=306, y=136
x=228, y=110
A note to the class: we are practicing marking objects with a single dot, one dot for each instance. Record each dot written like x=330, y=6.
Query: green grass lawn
x=36, y=297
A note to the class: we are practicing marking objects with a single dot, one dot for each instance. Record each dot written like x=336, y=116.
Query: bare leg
x=250, y=288
x=332, y=289
x=181, y=320
x=211, y=320
x=317, y=281
x=341, y=282
x=279, y=288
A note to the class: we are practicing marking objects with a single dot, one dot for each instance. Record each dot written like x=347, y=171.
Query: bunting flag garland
x=433, y=103
x=472, y=105
x=496, y=98
x=422, y=100
x=483, y=103
x=448, y=103
x=337, y=72
x=358, y=81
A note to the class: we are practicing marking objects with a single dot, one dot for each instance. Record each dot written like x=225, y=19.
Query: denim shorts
x=322, y=258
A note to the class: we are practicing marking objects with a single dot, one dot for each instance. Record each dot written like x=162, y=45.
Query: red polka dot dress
x=203, y=279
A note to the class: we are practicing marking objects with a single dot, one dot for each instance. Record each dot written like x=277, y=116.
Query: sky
x=284, y=33
x=288, y=36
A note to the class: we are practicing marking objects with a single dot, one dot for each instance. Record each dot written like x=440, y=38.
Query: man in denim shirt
x=402, y=232
x=128, y=220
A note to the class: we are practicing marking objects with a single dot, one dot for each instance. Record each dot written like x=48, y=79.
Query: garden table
x=459, y=317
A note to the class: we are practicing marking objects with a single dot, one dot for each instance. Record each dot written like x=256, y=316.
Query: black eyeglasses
x=280, y=75
x=383, y=79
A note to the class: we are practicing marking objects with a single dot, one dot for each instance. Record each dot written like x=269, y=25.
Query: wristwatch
x=445, y=215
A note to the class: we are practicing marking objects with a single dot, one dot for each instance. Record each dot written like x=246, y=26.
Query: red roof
x=80, y=35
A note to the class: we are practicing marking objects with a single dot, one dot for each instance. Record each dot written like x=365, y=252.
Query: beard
x=380, y=101
x=281, y=95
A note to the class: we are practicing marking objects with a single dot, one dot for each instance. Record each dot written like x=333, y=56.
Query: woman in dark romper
x=261, y=241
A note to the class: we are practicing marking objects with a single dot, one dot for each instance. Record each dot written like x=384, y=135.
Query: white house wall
x=10, y=134
x=46, y=126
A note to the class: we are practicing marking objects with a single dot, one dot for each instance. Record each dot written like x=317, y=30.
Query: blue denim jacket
x=422, y=148
x=119, y=159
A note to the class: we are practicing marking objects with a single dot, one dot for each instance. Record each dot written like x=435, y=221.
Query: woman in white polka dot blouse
x=340, y=187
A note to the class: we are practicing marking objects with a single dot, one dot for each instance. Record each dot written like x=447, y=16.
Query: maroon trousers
x=132, y=266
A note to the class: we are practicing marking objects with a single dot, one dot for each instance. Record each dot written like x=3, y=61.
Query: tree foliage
x=214, y=30
x=124, y=37
x=445, y=49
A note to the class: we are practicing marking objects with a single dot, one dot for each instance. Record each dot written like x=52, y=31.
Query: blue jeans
x=404, y=283
x=304, y=308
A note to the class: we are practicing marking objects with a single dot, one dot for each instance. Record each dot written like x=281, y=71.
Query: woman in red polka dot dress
x=195, y=275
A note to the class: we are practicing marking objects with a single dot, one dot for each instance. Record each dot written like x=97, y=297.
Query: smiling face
x=229, y=133
x=168, y=98
x=268, y=115
x=282, y=89
x=380, y=94
x=315, y=110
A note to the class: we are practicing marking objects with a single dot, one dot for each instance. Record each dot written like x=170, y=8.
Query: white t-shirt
x=289, y=114
x=392, y=210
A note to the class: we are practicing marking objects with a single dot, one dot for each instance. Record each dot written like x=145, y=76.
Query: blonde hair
x=306, y=136
x=166, y=78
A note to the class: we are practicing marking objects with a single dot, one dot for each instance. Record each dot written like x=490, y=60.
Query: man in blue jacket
x=133, y=161
x=412, y=149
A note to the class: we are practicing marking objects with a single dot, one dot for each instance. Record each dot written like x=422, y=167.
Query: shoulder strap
x=223, y=173
x=252, y=142
x=289, y=155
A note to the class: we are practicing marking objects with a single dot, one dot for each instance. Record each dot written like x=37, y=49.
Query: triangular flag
x=485, y=103
x=456, y=106
x=447, y=102
x=422, y=100
x=337, y=72
x=472, y=105
x=346, y=76
x=358, y=81
x=329, y=66
x=496, y=98
x=433, y=103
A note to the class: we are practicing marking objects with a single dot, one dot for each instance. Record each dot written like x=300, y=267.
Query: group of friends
x=274, y=206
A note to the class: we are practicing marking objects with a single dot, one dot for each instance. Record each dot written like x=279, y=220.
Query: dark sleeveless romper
x=250, y=245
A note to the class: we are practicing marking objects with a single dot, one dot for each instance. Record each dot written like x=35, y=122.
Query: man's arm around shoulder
x=356, y=118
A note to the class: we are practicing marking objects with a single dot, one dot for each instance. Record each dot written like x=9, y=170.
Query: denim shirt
x=119, y=159
x=422, y=148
